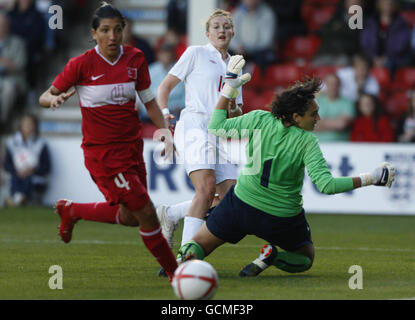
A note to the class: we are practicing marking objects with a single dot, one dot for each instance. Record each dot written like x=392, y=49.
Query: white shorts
x=200, y=150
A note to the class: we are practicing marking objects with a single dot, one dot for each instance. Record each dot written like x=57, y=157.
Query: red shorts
x=128, y=188
x=119, y=172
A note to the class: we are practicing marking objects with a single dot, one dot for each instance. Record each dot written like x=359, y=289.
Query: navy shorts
x=233, y=219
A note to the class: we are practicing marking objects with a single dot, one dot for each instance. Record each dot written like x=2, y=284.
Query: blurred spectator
x=256, y=27
x=6, y=4
x=229, y=5
x=339, y=42
x=27, y=161
x=405, y=126
x=158, y=71
x=28, y=23
x=130, y=39
x=336, y=112
x=290, y=20
x=371, y=124
x=12, y=64
x=356, y=79
x=174, y=38
x=177, y=16
x=386, y=36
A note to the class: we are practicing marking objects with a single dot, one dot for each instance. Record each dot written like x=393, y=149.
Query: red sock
x=96, y=211
x=158, y=246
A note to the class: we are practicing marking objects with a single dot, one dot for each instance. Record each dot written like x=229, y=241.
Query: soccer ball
x=195, y=280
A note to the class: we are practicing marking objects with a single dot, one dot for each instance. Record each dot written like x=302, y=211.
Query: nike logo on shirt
x=97, y=77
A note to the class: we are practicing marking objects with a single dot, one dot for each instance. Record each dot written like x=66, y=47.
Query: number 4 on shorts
x=120, y=182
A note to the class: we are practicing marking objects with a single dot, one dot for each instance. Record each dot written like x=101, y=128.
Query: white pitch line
x=139, y=242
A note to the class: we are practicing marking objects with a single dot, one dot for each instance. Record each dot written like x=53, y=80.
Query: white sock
x=190, y=227
x=178, y=211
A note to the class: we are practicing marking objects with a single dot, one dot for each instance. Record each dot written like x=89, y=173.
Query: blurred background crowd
x=368, y=73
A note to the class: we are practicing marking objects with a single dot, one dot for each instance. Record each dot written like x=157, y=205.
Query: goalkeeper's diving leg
x=296, y=261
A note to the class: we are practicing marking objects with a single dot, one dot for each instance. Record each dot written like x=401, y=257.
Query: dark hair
x=362, y=57
x=105, y=11
x=378, y=108
x=296, y=99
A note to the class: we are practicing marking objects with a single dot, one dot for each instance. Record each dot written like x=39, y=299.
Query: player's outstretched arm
x=53, y=98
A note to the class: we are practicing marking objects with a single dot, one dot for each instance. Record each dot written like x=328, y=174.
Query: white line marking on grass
x=139, y=242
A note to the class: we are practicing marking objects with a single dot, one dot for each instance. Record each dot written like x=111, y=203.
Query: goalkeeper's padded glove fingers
x=238, y=82
x=387, y=175
x=235, y=65
x=230, y=89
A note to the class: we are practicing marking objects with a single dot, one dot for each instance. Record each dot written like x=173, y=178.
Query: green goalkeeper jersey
x=273, y=175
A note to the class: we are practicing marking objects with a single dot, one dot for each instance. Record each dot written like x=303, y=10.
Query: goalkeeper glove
x=232, y=81
x=381, y=176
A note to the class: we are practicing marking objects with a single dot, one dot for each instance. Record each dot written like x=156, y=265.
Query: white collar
x=111, y=63
x=210, y=47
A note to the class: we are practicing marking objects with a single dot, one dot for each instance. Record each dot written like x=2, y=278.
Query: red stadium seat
x=278, y=75
x=282, y=75
x=396, y=104
x=404, y=79
x=383, y=77
x=409, y=16
x=301, y=48
x=316, y=16
x=257, y=99
x=256, y=78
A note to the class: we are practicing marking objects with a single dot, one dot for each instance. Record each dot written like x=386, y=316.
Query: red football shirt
x=106, y=92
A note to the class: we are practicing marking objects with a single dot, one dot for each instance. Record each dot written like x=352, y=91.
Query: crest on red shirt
x=132, y=73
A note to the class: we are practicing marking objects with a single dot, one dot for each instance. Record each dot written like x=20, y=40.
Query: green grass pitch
x=110, y=261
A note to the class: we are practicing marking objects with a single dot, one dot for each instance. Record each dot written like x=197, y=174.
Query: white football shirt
x=203, y=71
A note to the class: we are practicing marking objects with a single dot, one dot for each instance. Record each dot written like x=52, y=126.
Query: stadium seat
x=409, y=16
x=396, y=104
x=278, y=75
x=300, y=48
x=404, y=79
x=282, y=75
x=382, y=75
x=257, y=99
x=316, y=16
x=256, y=78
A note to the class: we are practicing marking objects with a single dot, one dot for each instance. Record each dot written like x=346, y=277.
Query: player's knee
x=127, y=218
x=206, y=192
x=147, y=216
